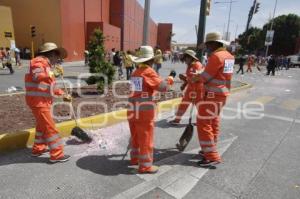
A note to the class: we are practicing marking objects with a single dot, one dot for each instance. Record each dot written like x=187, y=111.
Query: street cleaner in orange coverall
x=193, y=91
x=141, y=113
x=40, y=90
x=217, y=82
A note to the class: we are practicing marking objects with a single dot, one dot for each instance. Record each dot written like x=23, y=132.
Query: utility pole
x=201, y=28
x=272, y=23
x=228, y=23
x=146, y=22
x=229, y=16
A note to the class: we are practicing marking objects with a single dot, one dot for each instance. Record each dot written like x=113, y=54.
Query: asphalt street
x=72, y=71
x=260, y=146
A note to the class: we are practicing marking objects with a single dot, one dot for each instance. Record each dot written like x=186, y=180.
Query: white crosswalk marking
x=178, y=180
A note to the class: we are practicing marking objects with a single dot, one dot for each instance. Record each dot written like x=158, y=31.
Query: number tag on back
x=228, y=66
x=137, y=84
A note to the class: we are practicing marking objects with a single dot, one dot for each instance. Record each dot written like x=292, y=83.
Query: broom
x=187, y=134
x=76, y=131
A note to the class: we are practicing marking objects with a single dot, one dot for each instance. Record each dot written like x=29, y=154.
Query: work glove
x=58, y=71
x=67, y=98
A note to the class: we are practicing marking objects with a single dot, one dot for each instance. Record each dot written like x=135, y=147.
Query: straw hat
x=215, y=36
x=191, y=53
x=49, y=46
x=146, y=54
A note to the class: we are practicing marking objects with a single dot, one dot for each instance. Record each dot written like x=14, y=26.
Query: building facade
x=6, y=27
x=70, y=23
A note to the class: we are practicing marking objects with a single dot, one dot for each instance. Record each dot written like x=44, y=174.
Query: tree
x=287, y=30
x=103, y=70
x=252, y=40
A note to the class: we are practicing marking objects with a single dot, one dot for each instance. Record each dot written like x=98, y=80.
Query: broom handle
x=72, y=108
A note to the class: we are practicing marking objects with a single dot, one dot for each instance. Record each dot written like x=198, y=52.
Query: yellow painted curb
x=245, y=86
x=12, y=141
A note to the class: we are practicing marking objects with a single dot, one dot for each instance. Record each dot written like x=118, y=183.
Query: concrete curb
x=22, y=139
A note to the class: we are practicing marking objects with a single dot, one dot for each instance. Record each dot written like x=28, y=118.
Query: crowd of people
x=273, y=63
x=124, y=59
x=8, y=57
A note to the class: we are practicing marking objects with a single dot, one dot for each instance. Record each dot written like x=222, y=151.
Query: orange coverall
x=141, y=115
x=193, y=92
x=217, y=80
x=39, y=86
x=250, y=64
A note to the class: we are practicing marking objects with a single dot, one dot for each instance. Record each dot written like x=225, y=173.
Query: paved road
x=72, y=70
x=261, y=156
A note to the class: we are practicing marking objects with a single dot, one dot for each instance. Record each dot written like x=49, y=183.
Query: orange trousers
x=46, y=134
x=142, y=144
x=187, y=99
x=208, y=125
x=249, y=69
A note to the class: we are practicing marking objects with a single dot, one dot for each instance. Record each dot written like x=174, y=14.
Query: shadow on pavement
x=105, y=165
x=164, y=124
x=23, y=157
x=112, y=165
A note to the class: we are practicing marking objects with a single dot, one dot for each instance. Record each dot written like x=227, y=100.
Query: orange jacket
x=145, y=81
x=39, y=84
x=195, y=67
x=218, y=73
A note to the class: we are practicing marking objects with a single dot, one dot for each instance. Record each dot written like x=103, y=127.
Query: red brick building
x=69, y=23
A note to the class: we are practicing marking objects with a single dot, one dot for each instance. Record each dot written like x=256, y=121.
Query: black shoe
x=65, y=158
x=201, y=153
x=207, y=163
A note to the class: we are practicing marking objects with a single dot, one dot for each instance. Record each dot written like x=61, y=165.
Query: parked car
x=294, y=60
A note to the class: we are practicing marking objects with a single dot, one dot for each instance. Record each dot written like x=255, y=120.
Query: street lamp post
x=271, y=28
x=146, y=22
x=229, y=16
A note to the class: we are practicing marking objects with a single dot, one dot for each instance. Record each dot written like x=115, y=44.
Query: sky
x=184, y=14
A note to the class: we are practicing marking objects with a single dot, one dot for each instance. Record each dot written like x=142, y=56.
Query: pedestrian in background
x=271, y=65
x=86, y=57
x=256, y=63
x=141, y=114
x=158, y=59
x=7, y=61
x=128, y=63
x=17, y=56
x=2, y=55
x=117, y=60
x=112, y=55
x=40, y=87
x=242, y=61
x=250, y=63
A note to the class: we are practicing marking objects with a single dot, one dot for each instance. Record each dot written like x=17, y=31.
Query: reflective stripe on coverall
x=217, y=79
x=141, y=115
x=39, y=85
x=193, y=91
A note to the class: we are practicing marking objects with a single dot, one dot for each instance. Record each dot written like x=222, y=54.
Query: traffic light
x=33, y=31
x=256, y=8
x=207, y=12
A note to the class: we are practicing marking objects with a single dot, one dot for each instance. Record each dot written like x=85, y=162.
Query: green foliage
x=104, y=71
x=251, y=40
x=287, y=30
